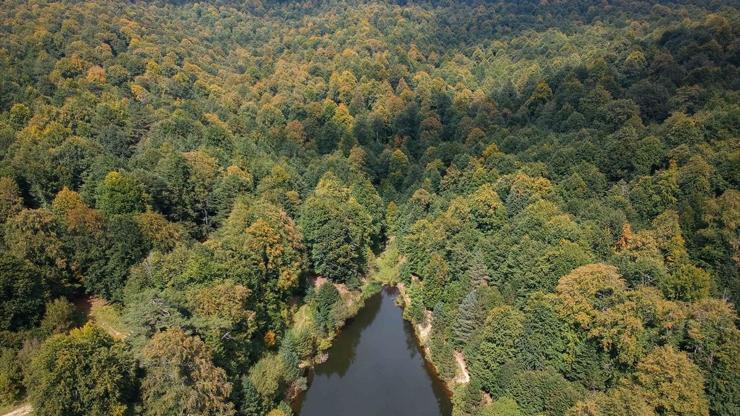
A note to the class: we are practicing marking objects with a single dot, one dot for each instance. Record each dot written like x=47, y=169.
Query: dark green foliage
x=590, y=366
x=33, y=235
x=327, y=297
x=11, y=377
x=251, y=401
x=123, y=247
x=495, y=345
x=714, y=341
x=467, y=319
x=544, y=392
x=23, y=292
x=434, y=280
x=546, y=336
x=478, y=271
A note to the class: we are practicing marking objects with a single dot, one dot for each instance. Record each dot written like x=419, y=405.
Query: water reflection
x=375, y=368
x=346, y=344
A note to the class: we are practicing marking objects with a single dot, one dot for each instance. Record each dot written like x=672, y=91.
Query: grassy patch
x=386, y=268
x=108, y=318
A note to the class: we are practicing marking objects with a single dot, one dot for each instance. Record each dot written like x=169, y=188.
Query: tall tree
x=181, y=378
x=83, y=373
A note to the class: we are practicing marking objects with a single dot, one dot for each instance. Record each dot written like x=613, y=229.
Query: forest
x=195, y=196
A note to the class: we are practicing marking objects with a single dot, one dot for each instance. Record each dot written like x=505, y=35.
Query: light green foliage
x=267, y=376
x=686, y=283
x=119, y=193
x=222, y=308
x=486, y=208
x=505, y=406
x=670, y=383
x=544, y=392
x=387, y=266
x=60, y=316
x=525, y=190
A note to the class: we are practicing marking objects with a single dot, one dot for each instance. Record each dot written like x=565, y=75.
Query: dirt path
x=462, y=377
x=24, y=410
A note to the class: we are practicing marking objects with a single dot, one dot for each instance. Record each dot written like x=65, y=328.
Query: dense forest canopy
x=554, y=184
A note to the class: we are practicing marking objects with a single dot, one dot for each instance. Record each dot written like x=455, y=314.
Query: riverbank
x=422, y=331
x=384, y=272
x=351, y=302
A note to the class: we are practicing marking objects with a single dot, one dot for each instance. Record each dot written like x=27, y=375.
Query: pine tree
x=465, y=323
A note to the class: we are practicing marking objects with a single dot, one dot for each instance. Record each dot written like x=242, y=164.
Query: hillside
x=556, y=185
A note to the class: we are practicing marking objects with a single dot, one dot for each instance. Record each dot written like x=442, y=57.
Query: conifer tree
x=466, y=321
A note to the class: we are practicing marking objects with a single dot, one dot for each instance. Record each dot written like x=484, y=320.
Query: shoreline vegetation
x=385, y=272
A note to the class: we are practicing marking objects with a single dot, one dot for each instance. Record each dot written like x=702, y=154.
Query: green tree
x=23, y=294
x=35, y=235
x=120, y=193
x=686, y=283
x=10, y=199
x=670, y=383
x=467, y=319
x=543, y=392
x=327, y=297
x=181, y=378
x=652, y=195
x=11, y=377
x=336, y=230
x=547, y=337
x=495, y=345
x=59, y=317
x=504, y=406
x=268, y=375
x=83, y=373
x=713, y=342
x=434, y=280
x=124, y=246
x=486, y=208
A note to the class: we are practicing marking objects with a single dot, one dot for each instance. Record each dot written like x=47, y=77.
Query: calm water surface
x=375, y=368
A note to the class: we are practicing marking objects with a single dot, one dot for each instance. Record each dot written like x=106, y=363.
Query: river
x=375, y=367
